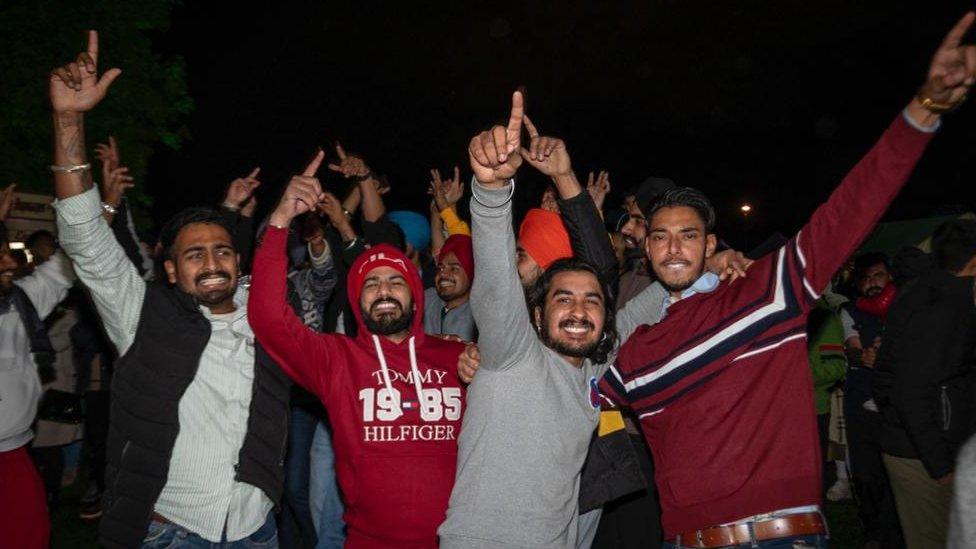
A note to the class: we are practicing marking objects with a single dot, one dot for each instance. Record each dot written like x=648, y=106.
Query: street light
x=746, y=209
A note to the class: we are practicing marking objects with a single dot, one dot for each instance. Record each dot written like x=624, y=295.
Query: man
x=24, y=348
x=863, y=321
x=393, y=399
x=924, y=384
x=188, y=460
x=637, y=277
x=42, y=245
x=534, y=399
x=721, y=385
x=446, y=308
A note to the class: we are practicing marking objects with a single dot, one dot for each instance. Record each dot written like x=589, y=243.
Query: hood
x=389, y=256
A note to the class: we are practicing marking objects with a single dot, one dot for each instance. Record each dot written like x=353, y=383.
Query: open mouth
x=676, y=265
x=385, y=307
x=629, y=242
x=576, y=330
x=213, y=281
x=7, y=275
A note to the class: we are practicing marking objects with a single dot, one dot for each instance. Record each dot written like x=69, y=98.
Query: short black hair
x=689, y=197
x=954, y=244
x=189, y=216
x=867, y=260
x=36, y=236
x=537, y=299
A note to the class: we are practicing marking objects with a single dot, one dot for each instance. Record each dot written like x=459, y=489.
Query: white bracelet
x=474, y=195
x=109, y=208
x=71, y=169
x=229, y=206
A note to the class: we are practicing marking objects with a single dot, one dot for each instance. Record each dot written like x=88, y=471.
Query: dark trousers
x=875, y=500
x=50, y=466
x=96, y=435
x=823, y=431
x=295, y=527
x=633, y=521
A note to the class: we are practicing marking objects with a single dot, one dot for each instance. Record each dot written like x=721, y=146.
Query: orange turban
x=543, y=236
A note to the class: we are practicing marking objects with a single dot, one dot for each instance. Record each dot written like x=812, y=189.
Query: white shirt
x=20, y=386
x=200, y=492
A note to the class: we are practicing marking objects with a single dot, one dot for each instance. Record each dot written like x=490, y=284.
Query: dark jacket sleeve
x=127, y=240
x=588, y=237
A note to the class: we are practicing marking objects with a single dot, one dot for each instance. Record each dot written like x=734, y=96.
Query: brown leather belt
x=797, y=524
x=160, y=518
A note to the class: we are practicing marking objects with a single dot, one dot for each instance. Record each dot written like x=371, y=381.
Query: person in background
x=637, y=274
x=446, y=309
x=41, y=244
x=925, y=380
x=825, y=348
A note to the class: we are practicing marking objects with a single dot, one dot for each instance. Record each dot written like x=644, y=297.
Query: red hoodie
x=395, y=464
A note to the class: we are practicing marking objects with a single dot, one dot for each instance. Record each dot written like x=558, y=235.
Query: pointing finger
x=106, y=80
x=514, y=129
x=254, y=173
x=313, y=166
x=93, y=45
x=457, y=174
x=340, y=151
x=530, y=127
x=955, y=36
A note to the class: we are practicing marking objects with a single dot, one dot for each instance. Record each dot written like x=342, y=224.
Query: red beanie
x=460, y=246
x=543, y=236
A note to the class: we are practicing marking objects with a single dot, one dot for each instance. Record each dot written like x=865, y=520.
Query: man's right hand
x=494, y=154
x=302, y=195
x=75, y=87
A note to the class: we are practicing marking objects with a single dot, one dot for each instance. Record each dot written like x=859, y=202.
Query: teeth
x=214, y=281
x=577, y=329
x=383, y=306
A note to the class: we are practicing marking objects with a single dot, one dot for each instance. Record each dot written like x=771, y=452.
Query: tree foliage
x=146, y=106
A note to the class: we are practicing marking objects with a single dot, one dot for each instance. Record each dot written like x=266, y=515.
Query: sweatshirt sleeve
x=505, y=332
x=838, y=227
x=306, y=356
x=453, y=223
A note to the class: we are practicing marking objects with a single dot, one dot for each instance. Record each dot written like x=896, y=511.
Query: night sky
x=766, y=102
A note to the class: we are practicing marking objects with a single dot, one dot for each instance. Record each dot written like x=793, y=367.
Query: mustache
x=207, y=274
x=573, y=322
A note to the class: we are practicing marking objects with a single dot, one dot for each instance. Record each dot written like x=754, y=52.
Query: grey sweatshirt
x=530, y=414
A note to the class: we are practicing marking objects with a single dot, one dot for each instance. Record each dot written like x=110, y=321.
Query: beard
x=388, y=323
x=215, y=296
x=567, y=348
x=678, y=285
x=449, y=293
x=872, y=291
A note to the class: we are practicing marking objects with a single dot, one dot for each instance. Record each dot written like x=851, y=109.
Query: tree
x=147, y=105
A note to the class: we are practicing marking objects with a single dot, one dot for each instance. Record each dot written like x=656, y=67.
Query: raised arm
x=353, y=167
x=580, y=215
x=497, y=299
x=837, y=227
x=99, y=260
x=302, y=353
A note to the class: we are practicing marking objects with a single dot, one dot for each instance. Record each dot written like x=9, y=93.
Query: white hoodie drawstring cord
x=418, y=386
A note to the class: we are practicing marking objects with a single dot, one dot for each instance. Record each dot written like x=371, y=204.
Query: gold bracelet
x=931, y=105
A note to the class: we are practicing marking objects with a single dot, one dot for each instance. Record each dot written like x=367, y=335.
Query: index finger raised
x=313, y=166
x=340, y=151
x=93, y=45
x=530, y=127
x=954, y=37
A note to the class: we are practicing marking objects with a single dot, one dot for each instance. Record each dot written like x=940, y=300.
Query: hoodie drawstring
x=418, y=386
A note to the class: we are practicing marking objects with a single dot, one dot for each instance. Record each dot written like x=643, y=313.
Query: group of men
x=710, y=358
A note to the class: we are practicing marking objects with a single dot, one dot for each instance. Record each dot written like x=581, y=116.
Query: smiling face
x=386, y=302
x=634, y=230
x=528, y=270
x=451, y=282
x=571, y=320
x=677, y=245
x=204, y=264
x=873, y=280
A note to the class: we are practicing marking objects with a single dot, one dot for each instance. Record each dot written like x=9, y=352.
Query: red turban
x=460, y=246
x=543, y=236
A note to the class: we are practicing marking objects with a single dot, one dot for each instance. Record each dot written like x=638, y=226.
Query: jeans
x=297, y=529
x=800, y=542
x=171, y=536
x=324, y=492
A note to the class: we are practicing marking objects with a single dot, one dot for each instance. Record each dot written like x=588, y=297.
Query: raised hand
x=303, y=194
x=494, y=154
x=76, y=87
x=108, y=155
x=453, y=188
x=598, y=188
x=436, y=189
x=350, y=165
x=546, y=154
x=114, y=186
x=953, y=68
x=241, y=189
x=7, y=201
x=728, y=263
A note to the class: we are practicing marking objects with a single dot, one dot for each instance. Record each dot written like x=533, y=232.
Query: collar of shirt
x=237, y=320
x=706, y=283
